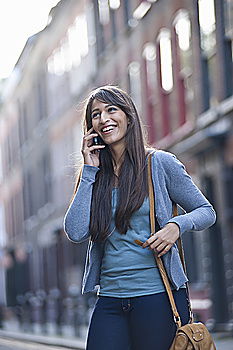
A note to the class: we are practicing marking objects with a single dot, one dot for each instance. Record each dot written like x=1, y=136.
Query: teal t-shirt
x=127, y=269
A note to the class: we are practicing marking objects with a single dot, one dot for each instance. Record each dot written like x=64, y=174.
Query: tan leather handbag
x=192, y=336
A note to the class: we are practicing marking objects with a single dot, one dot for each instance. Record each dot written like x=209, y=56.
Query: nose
x=104, y=117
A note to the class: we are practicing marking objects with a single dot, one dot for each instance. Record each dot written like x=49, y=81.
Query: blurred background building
x=175, y=59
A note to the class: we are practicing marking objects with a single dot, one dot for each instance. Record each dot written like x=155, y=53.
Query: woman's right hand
x=91, y=152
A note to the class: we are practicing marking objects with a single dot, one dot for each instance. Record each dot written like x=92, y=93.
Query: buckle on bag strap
x=177, y=320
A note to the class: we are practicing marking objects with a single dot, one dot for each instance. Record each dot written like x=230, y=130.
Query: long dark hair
x=132, y=185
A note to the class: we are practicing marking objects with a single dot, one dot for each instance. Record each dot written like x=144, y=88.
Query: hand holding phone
x=90, y=148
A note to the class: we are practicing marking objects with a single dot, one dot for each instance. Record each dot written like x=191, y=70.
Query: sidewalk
x=223, y=341
x=68, y=343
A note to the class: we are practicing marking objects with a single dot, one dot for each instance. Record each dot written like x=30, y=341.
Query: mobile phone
x=98, y=141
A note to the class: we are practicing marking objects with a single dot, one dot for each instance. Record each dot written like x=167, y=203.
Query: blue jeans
x=137, y=323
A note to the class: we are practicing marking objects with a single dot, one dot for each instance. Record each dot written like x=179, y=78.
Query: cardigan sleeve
x=77, y=218
x=199, y=213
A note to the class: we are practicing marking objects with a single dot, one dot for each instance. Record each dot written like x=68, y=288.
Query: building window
x=46, y=171
x=149, y=54
x=165, y=79
x=3, y=236
x=25, y=197
x=141, y=10
x=104, y=14
x=72, y=49
x=113, y=24
x=228, y=46
x=40, y=96
x=183, y=32
x=28, y=195
x=135, y=83
x=166, y=60
x=23, y=127
x=207, y=24
x=151, y=90
x=207, y=20
x=78, y=39
x=126, y=8
x=1, y=165
x=183, y=63
x=229, y=18
x=114, y=4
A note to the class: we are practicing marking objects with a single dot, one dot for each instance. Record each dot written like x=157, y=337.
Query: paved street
x=8, y=344
x=223, y=343
x=12, y=344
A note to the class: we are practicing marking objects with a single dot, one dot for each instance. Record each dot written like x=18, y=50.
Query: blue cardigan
x=171, y=184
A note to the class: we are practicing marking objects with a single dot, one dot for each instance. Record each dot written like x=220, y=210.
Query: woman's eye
x=95, y=115
x=112, y=109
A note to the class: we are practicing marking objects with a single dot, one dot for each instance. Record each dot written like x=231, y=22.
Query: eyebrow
x=97, y=109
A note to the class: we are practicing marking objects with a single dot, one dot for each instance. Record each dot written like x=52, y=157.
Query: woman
x=110, y=207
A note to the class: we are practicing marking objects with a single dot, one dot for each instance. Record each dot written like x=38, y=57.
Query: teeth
x=108, y=128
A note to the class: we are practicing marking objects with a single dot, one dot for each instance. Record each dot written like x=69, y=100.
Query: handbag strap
x=159, y=260
x=181, y=252
x=179, y=241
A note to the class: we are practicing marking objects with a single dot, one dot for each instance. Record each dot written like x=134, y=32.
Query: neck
x=117, y=154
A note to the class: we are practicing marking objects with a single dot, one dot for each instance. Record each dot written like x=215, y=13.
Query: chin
x=109, y=141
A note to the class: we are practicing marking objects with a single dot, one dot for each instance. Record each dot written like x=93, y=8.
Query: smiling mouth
x=107, y=129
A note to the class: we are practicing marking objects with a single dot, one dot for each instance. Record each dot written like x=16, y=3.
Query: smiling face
x=109, y=121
